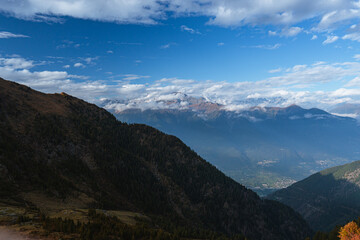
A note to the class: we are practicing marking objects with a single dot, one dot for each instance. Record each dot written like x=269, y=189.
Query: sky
x=228, y=51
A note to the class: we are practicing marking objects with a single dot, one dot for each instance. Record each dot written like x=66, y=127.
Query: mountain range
x=264, y=148
x=326, y=199
x=59, y=152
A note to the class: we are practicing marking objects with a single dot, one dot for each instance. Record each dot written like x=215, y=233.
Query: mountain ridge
x=55, y=149
x=264, y=148
x=326, y=199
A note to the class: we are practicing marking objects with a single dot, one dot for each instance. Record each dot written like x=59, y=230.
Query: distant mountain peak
x=293, y=106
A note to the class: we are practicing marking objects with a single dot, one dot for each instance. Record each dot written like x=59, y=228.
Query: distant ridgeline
x=263, y=148
x=325, y=199
x=59, y=153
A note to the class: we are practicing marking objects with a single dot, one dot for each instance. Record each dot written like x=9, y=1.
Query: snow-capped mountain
x=261, y=147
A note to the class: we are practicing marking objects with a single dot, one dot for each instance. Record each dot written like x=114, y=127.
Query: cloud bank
x=300, y=84
x=220, y=12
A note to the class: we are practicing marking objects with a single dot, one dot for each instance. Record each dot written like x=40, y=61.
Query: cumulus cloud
x=90, y=60
x=345, y=92
x=352, y=36
x=331, y=18
x=291, y=32
x=11, y=35
x=138, y=11
x=330, y=39
x=219, y=12
x=16, y=63
x=79, y=65
x=286, y=32
x=21, y=70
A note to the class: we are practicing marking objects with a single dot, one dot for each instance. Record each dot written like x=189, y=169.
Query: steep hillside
x=326, y=199
x=262, y=148
x=57, y=151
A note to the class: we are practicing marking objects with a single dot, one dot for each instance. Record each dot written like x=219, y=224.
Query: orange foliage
x=350, y=231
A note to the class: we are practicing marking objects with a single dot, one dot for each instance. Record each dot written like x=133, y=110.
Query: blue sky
x=305, y=52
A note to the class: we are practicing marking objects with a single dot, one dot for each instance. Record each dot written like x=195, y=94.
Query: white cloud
x=339, y=15
x=314, y=37
x=357, y=56
x=16, y=63
x=291, y=32
x=20, y=70
x=272, y=33
x=330, y=39
x=219, y=12
x=66, y=66
x=78, y=65
x=268, y=47
x=190, y=30
x=221, y=44
x=90, y=60
x=350, y=115
x=137, y=11
x=352, y=36
x=11, y=35
x=166, y=46
x=68, y=44
x=109, y=52
x=345, y=92
x=275, y=70
x=129, y=77
x=355, y=82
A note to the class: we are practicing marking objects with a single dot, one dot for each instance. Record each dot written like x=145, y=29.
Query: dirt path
x=9, y=234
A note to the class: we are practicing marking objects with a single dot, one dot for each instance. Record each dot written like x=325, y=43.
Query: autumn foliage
x=350, y=231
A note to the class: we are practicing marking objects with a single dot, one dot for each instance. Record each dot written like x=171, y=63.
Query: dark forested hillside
x=57, y=151
x=326, y=199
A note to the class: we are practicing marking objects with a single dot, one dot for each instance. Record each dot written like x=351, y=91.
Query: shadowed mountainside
x=325, y=199
x=58, y=151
